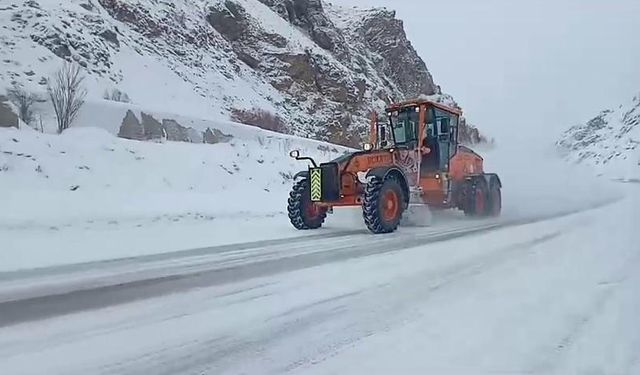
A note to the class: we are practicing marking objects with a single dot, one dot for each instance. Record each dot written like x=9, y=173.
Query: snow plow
x=413, y=157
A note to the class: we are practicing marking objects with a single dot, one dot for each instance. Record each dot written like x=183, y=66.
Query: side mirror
x=294, y=154
x=367, y=147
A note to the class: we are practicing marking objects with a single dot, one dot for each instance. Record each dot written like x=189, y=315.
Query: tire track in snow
x=580, y=327
x=204, y=358
x=430, y=283
x=46, y=306
x=101, y=264
x=354, y=245
x=94, y=266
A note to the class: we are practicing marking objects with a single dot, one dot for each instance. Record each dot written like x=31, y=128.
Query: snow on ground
x=559, y=296
x=86, y=195
x=86, y=188
x=563, y=302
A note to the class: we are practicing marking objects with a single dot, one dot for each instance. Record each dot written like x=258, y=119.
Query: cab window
x=405, y=125
x=443, y=123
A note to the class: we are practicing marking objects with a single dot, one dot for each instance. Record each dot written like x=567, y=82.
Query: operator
x=428, y=150
x=425, y=149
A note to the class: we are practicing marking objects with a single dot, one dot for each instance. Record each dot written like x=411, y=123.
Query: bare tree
x=67, y=94
x=23, y=100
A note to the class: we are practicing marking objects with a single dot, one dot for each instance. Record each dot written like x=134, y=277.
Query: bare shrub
x=338, y=134
x=23, y=100
x=260, y=118
x=67, y=94
x=116, y=95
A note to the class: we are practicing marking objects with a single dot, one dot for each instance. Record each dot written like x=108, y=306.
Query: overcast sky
x=523, y=68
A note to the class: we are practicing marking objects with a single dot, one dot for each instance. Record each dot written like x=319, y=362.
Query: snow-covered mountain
x=610, y=142
x=320, y=67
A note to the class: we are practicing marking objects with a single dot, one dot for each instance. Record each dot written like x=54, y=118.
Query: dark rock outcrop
x=311, y=17
x=110, y=36
x=131, y=128
x=368, y=59
x=150, y=129
x=385, y=35
x=8, y=118
x=469, y=134
x=175, y=131
x=213, y=136
x=153, y=129
x=230, y=20
x=320, y=67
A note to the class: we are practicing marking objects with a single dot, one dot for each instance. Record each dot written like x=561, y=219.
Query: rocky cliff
x=319, y=67
x=610, y=142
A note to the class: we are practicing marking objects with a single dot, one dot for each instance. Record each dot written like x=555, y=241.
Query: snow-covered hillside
x=320, y=67
x=60, y=193
x=610, y=142
x=111, y=179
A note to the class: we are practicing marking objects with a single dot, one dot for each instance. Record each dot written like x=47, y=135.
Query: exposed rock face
x=311, y=16
x=213, y=136
x=364, y=59
x=8, y=118
x=195, y=136
x=230, y=21
x=131, y=128
x=384, y=35
x=469, y=134
x=175, y=131
x=320, y=67
x=150, y=129
x=153, y=129
x=111, y=37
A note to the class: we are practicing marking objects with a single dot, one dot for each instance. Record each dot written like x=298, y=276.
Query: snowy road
x=27, y=295
x=559, y=295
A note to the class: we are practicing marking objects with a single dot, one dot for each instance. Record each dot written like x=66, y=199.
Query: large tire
x=303, y=213
x=477, y=197
x=495, y=198
x=383, y=205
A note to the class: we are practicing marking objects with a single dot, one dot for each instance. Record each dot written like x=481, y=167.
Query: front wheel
x=303, y=213
x=383, y=205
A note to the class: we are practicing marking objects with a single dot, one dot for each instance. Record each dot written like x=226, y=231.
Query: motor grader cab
x=413, y=157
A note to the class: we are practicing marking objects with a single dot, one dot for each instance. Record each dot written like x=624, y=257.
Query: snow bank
x=86, y=174
x=86, y=194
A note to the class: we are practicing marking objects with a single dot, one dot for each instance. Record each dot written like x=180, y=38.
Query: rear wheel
x=383, y=205
x=477, y=198
x=495, y=198
x=303, y=213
